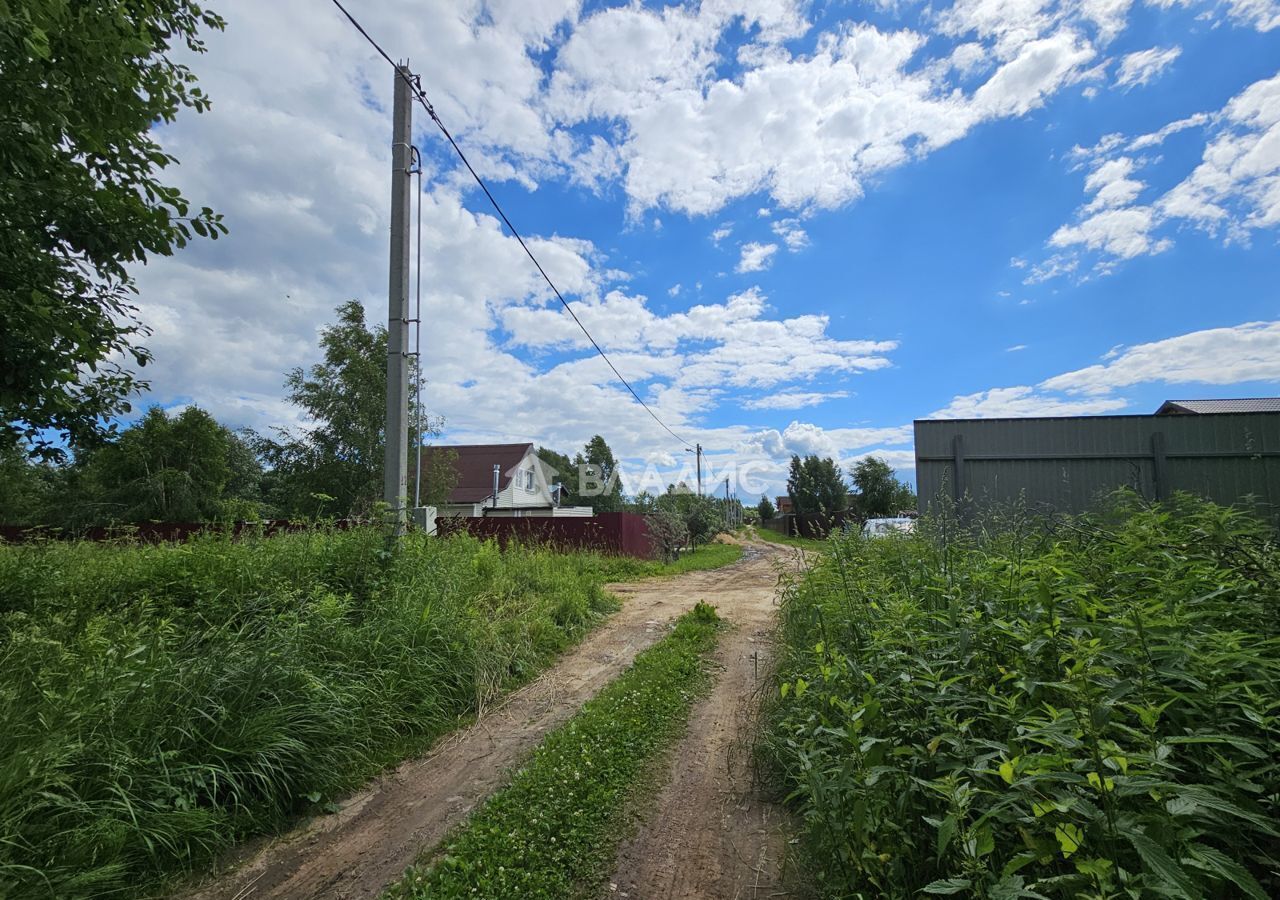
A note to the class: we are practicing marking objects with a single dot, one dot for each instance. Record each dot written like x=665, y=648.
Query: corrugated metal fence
x=619, y=533
x=1067, y=463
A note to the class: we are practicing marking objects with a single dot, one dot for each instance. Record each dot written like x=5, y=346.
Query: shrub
x=1089, y=709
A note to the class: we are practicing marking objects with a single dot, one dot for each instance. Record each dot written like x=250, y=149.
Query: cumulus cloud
x=756, y=257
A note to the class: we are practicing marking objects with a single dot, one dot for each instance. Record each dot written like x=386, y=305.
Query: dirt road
x=377, y=834
x=711, y=833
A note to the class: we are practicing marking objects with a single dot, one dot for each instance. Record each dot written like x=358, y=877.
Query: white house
x=522, y=487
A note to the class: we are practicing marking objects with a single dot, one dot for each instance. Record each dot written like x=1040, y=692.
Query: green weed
x=1085, y=708
x=553, y=831
x=158, y=703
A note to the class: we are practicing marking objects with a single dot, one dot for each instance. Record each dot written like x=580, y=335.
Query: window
x=528, y=480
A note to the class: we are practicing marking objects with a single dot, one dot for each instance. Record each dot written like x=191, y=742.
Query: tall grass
x=1088, y=708
x=158, y=703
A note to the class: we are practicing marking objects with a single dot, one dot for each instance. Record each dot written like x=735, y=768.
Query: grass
x=801, y=543
x=626, y=568
x=159, y=703
x=1027, y=709
x=552, y=833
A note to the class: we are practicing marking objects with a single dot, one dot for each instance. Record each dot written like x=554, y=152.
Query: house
x=1218, y=407
x=784, y=505
x=521, y=486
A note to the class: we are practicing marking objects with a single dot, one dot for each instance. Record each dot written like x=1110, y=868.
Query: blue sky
x=796, y=227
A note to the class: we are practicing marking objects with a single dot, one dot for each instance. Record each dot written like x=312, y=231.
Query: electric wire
x=418, y=94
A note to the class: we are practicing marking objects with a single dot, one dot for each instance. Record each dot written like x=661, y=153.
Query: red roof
x=474, y=464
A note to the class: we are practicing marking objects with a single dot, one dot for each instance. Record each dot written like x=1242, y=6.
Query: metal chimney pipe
x=497, y=471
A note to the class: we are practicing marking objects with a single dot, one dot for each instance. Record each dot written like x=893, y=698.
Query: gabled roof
x=1208, y=407
x=474, y=464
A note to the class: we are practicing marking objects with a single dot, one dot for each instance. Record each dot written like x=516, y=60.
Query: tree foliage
x=765, y=509
x=878, y=490
x=81, y=87
x=816, y=486
x=164, y=468
x=184, y=468
x=602, y=468
x=335, y=463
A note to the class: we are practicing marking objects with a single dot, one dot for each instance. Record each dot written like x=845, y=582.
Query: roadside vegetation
x=552, y=833
x=812, y=545
x=1085, y=708
x=160, y=702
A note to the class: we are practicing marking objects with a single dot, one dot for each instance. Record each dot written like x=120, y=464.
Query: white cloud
x=1234, y=191
x=674, y=290
x=1015, y=348
x=795, y=237
x=1040, y=69
x=1143, y=67
x=721, y=233
x=1247, y=352
x=755, y=257
x=805, y=439
x=1023, y=401
x=793, y=399
x=1241, y=353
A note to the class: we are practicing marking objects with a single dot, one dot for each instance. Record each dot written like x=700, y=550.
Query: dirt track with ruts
x=727, y=839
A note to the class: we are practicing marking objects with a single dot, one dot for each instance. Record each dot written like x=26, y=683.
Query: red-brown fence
x=619, y=533
x=156, y=532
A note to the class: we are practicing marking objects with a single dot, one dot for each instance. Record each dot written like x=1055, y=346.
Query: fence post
x=957, y=463
x=1160, y=466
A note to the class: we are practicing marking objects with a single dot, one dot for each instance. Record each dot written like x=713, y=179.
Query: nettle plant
x=1083, y=708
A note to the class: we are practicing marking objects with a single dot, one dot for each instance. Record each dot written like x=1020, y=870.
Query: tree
x=765, y=509
x=879, y=492
x=566, y=475
x=335, y=464
x=601, y=468
x=183, y=468
x=700, y=515
x=669, y=532
x=81, y=87
x=816, y=486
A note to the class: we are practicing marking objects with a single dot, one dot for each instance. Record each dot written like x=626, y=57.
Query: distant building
x=1218, y=407
x=784, y=505
x=523, y=486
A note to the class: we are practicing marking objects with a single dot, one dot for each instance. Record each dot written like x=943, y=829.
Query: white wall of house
x=527, y=494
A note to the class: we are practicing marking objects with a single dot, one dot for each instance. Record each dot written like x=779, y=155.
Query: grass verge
x=159, y=703
x=627, y=568
x=553, y=832
x=810, y=544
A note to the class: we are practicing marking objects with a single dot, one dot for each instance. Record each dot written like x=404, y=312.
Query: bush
x=1082, y=710
x=158, y=703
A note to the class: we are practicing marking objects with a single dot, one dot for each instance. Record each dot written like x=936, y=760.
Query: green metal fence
x=1067, y=464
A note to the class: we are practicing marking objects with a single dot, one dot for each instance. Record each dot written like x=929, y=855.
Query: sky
x=795, y=227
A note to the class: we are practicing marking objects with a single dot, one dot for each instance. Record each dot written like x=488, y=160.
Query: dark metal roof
x=474, y=464
x=1208, y=407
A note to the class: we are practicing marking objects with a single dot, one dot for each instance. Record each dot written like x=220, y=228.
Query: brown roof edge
x=474, y=464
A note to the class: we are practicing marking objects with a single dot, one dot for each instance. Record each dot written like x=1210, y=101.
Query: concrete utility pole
x=396, y=460
x=699, y=470
x=726, y=502
x=699, y=452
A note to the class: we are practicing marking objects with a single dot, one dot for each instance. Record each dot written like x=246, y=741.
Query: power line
x=416, y=89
